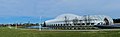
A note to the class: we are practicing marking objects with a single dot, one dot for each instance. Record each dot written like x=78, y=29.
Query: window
x=78, y=24
x=92, y=23
x=60, y=24
x=83, y=23
x=64, y=24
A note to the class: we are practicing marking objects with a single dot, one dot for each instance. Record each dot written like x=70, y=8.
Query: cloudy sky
x=53, y=8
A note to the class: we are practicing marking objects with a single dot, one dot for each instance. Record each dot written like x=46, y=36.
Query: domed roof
x=67, y=15
x=62, y=17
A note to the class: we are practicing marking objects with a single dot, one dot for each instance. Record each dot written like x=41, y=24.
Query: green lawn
x=6, y=32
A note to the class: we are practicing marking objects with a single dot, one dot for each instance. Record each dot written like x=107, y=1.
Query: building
x=75, y=22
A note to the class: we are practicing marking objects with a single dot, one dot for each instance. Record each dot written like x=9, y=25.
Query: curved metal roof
x=61, y=18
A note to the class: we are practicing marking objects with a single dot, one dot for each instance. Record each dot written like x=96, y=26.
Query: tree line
x=116, y=20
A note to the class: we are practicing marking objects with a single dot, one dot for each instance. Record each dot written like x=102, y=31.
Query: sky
x=15, y=10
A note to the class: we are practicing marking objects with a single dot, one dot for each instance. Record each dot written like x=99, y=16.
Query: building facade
x=75, y=22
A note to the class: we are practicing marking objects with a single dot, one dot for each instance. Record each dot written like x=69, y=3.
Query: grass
x=6, y=32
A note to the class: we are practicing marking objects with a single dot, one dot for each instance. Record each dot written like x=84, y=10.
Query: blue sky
x=53, y=8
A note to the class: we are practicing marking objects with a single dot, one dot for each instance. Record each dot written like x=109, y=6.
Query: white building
x=71, y=21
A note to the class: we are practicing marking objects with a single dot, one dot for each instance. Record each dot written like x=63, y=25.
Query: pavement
x=86, y=30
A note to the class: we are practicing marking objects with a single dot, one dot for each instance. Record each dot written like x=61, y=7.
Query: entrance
x=106, y=21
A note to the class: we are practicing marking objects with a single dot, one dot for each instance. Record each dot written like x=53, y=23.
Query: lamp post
x=40, y=25
x=9, y=26
x=16, y=26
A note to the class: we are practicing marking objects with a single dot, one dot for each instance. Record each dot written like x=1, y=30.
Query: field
x=6, y=32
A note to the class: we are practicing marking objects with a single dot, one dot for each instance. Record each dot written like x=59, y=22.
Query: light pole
x=9, y=26
x=16, y=26
x=40, y=25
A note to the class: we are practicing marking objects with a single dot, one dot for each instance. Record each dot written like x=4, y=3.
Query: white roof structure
x=61, y=18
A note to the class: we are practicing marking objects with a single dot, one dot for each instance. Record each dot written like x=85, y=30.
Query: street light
x=40, y=25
